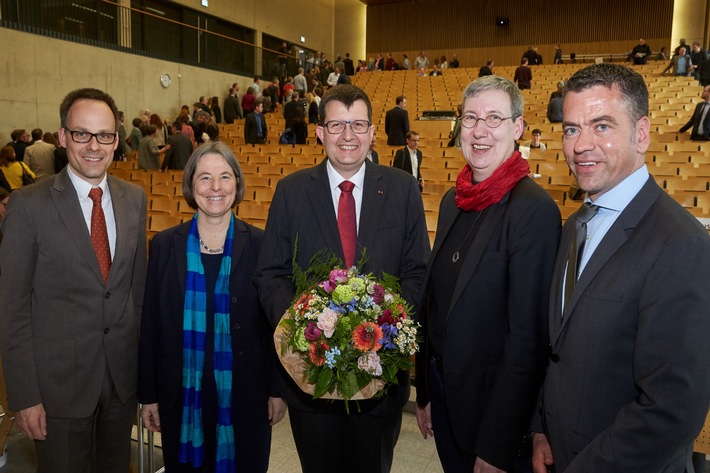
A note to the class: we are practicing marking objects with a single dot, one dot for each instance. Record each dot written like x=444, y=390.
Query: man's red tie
x=346, y=222
x=99, y=234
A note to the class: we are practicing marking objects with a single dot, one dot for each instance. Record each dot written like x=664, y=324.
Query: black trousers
x=330, y=442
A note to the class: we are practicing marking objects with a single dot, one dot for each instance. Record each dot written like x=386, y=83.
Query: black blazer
x=160, y=367
x=694, y=122
x=495, y=339
x=392, y=229
x=397, y=126
x=403, y=161
x=629, y=381
x=251, y=130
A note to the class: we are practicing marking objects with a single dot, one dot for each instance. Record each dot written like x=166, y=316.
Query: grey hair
x=482, y=84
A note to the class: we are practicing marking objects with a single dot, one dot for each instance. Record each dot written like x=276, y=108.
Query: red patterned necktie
x=99, y=234
x=346, y=222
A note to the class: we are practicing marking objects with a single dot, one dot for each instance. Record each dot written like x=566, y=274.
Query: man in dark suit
x=409, y=158
x=179, y=151
x=700, y=122
x=255, y=130
x=397, y=123
x=232, y=108
x=628, y=382
x=73, y=261
x=391, y=232
x=349, y=66
x=486, y=70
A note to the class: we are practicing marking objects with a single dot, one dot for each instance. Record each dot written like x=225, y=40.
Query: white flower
x=370, y=363
x=327, y=321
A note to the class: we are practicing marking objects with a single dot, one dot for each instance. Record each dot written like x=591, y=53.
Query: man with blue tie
x=255, y=130
x=628, y=382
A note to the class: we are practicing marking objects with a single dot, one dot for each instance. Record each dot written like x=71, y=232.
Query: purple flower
x=339, y=276
x=328, y=286
x=378, y=294
x=312, y=332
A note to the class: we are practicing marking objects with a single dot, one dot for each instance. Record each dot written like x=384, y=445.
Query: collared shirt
x=415, y=162
x=358, y=179
x=82, y=191
x=610, y=204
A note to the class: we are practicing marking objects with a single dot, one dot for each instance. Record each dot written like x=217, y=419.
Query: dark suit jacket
x=403, y=160
x=495, y=340
x=179, y=153
x=392, y=229
x=397, y=126
x=250, y=129
x=232, y=109
x=349, y=66
x=61, y=325
x=629, y=381
x=694, y=122
x=160, y=370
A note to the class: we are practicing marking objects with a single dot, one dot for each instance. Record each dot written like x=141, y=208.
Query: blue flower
x=389, y=332
x=330, y=357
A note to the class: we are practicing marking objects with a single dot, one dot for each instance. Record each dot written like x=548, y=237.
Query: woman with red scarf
x=484, y=313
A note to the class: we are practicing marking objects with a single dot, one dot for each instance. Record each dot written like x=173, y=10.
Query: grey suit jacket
x=62, y=328
x=392, y=231
x=628, y=384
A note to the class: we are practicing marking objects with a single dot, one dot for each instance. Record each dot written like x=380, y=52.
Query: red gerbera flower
x=317, y=352
x=367, y=336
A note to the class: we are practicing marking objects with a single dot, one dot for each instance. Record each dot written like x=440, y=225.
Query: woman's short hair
x=211, y=147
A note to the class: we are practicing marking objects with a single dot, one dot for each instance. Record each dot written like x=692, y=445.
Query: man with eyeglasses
x=409, y=158
x=367, y=215
x=73, y=260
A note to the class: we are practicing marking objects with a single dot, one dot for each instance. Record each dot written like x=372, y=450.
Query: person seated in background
x=535, y=142
x=662, y=54
x=641, y=52
x=435, y=70
x=454, y=62
x=333, y=78
x=443, y=63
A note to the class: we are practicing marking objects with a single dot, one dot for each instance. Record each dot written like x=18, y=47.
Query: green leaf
x=349, y=385
x=323, y=384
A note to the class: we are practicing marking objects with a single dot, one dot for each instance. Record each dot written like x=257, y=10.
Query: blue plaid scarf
x=192, y=448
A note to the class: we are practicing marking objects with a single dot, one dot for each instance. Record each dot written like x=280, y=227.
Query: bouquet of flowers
x=346, y=336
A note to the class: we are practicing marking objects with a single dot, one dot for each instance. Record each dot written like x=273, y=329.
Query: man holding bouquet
x=352, y=208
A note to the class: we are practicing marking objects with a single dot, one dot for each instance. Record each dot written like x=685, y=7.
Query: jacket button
x=106, y=331
x=108, y=294
x=237, y=326
x=554, y=357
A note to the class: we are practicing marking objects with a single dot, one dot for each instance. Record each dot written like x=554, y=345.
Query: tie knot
x=95, y=194
x=586, y=212
x=346, y=186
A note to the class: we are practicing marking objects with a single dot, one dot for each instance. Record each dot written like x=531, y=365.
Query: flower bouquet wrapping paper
x=346, y=336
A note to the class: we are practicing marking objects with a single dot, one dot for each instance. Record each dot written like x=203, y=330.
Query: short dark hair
x=17, y=133
x=537, y=131
x=630, y=84
x=347, y=95
x=211, y=147
x=37, y=134
x=137, y=122
x=148, y=129
x=399, y=99
x=411, y=133
x=86, y=94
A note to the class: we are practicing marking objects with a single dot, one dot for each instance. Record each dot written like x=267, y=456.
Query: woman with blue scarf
x=206, y=353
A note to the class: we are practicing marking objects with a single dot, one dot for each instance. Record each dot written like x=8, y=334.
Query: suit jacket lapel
x=121, y=215
x=241, y=234
x=617, y=235
x=558, y=277
x=67, y=202
x=321, y=200
x=488, y=224
x=180, y=250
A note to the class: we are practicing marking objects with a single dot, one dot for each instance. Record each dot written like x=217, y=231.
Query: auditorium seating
x=680, y=166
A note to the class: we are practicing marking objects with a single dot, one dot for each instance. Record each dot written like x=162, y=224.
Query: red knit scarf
x=470, y=196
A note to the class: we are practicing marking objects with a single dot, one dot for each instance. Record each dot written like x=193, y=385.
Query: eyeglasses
x=492, y=121
x=338, y=126
x=102, y=138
